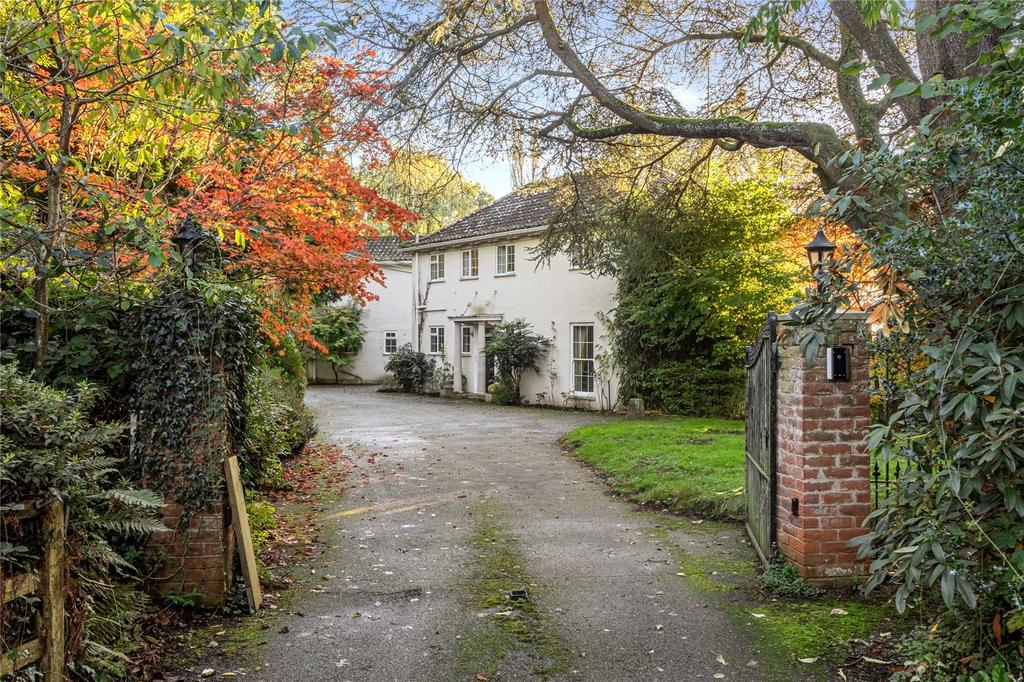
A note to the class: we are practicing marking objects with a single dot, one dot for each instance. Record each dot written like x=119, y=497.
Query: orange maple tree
x=283, y=198
x=140, y=113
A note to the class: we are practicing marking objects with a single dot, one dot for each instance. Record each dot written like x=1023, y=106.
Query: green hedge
x=693, y=389
x=278, y=424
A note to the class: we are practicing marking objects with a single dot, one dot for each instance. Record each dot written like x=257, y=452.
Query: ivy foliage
x=190, y=385
x=516, y=350
x=942, y=225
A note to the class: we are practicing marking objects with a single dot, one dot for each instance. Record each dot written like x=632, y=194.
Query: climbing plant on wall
x=188, y=393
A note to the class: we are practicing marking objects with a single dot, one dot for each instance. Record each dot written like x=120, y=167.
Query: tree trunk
x=41, y=302
x=40, y=286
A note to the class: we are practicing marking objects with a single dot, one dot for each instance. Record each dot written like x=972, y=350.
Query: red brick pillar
x=193, y=558
x=823, y=493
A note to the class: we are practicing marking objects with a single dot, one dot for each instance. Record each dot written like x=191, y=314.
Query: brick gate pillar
x=823, y=493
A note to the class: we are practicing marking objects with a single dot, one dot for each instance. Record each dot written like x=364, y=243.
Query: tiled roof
x=531, y=206
x=387, y=249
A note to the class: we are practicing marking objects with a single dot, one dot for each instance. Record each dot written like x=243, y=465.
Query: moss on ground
x=783, y=631
x=509, y=625
x=809, y=629
x=709, y=572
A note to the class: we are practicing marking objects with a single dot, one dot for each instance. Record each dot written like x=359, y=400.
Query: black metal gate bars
x=759, y=492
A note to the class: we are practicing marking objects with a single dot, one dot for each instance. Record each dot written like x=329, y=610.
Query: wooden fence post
x=52, y=662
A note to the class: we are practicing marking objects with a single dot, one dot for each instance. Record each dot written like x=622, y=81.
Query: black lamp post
x=190, y=240
x=819, y=251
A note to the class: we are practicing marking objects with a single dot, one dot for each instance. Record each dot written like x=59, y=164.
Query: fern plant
x=49, y=447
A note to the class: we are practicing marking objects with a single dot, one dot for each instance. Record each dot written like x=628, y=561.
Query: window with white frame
x=583, y=359
x=577, y=259
x=437, y=340
x=390, y=342
x=436, y=266
x=470, y=263
x=467, y=340
x=506, y=259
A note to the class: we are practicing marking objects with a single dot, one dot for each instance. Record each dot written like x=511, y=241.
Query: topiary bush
x=410, y=368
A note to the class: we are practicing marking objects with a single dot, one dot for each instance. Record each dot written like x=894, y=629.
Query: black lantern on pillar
x=191, y=241
x=819, y=253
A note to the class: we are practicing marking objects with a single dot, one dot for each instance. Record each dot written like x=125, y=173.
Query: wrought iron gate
x=759, y=491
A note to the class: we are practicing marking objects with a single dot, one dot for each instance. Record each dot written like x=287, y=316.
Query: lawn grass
x=681, y=464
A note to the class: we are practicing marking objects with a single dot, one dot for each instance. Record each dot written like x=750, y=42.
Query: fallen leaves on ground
x=313, y=477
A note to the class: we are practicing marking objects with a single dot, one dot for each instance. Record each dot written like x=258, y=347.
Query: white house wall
x=550, y=297
x=392, y=311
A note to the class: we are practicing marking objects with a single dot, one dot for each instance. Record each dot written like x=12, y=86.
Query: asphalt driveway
x=455, y=499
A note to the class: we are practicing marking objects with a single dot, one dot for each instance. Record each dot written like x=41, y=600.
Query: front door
x=489, y=375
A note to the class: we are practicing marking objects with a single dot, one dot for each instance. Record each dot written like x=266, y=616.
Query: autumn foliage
x=283, y=199
x=144, y=112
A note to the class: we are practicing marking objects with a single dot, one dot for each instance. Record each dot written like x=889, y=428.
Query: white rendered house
x=387, y=321
x=479, y=272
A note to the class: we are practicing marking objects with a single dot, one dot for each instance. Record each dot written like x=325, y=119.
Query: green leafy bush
x=338, y=329
x=278, y=425
x=697, y=269
x=694, y=389
x=89, y=339
x=516, y=350
x=410, y=368
x=781, y=578
x=502, y=394
x=49, y=447
x=939, y=214
x=262, y=520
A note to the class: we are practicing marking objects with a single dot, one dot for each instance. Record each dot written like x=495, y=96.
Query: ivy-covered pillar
x=189, y=414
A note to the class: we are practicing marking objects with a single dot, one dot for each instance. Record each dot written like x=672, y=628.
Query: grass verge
x=679, y=464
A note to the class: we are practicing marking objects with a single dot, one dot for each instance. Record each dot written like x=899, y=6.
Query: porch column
x=456, y=346
x=479, y=363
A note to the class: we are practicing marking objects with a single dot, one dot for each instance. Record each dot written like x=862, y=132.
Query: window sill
x=505, y=274
x=432, y=281
x=463, y=279
x=583, y=396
